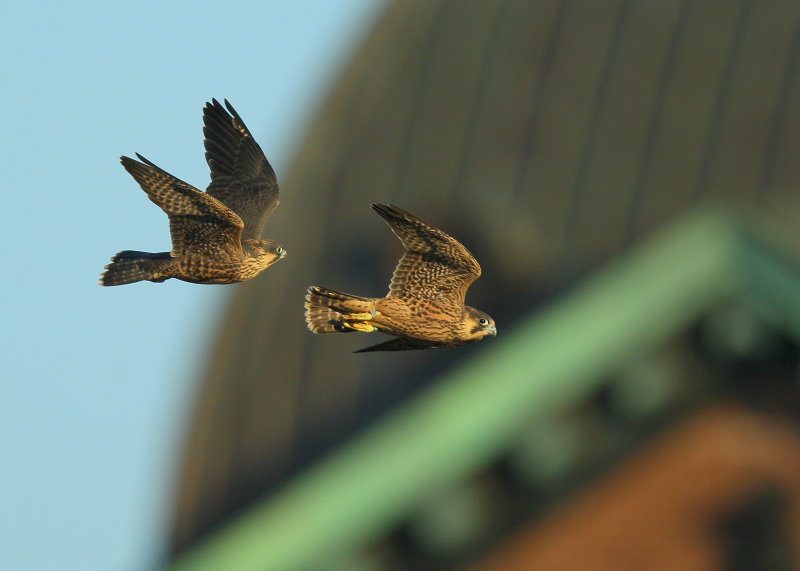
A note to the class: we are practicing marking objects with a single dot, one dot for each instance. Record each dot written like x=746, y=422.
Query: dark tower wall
x=545, y=135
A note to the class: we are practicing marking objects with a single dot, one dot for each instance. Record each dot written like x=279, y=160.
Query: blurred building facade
x=550, y=137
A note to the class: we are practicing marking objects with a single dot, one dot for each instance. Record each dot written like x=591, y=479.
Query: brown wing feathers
x=241, y=176
x=198, y=222
x=434, y=265
x=230, y=148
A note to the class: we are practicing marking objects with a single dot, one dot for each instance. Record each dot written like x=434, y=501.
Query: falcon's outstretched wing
x=241, y=176
x=198, y=222
x=434, y=266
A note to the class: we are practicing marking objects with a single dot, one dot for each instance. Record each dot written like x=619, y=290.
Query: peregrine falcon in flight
x=216, y=233
x=424, y=308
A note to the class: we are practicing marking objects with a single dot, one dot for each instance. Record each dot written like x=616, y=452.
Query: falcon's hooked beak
x=492, y=330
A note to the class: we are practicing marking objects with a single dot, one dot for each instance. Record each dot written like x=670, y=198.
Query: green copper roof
x=554, y=357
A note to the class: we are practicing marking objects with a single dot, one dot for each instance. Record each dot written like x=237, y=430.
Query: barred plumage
x=215, y=234
x=425, y=304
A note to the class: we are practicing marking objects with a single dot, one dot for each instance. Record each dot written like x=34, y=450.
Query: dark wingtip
x=145, y=160
x=391, y=212
x=215, y=111
x=215, y=105
x=129, y=164
x=384, y=209
x=132, y=165
x=390, y=345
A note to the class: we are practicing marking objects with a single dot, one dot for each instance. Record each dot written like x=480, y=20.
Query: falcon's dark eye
x=483, y=321
x=279, y=249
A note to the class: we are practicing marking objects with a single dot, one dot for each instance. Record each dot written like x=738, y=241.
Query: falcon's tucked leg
x=360, y=316
x=360, y=326
x=358, y=321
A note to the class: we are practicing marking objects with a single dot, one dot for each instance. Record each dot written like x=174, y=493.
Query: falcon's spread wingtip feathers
x=241, y=175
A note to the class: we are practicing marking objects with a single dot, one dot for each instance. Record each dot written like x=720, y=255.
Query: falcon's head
x=267, y=252
x=478, y=325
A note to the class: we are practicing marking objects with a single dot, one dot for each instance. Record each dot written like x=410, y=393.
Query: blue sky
x=96, y=382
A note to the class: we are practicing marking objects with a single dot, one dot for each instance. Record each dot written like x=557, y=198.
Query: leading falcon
x=424, y=308
x=216, y=233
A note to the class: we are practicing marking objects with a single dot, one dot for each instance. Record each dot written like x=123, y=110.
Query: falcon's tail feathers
x=130, y=266
x=324, y=309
